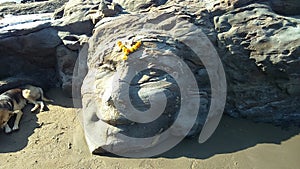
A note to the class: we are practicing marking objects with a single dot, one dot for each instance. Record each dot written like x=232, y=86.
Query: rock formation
x=266, y=87
x=257, y=41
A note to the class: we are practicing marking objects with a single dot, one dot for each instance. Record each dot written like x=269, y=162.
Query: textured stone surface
x=262, y=63
x=75, y=22
x=99, y=96
x=31, y=8
x=29, y=50
x=79, y=16
x=43, y=49
x=66, y=60
x=135, y=6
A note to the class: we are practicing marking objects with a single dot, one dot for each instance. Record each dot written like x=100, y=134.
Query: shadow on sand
x=232, y=135
x=59, y=98
x=18, y=140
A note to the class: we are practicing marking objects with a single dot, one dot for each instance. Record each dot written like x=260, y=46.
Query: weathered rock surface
x=262, y=63
x=79, y=16
x=135, y=6
x=104, y=98
x=31, y=8
x=43, y=49
x=29, y=52
x=259, y=50
x=75, y=23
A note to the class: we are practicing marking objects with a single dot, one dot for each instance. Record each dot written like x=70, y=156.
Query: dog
x=14, y=100
x=11, y=102
x=35, y=95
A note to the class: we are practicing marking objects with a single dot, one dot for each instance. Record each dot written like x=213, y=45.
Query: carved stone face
x=4, y=117
x=133, y=105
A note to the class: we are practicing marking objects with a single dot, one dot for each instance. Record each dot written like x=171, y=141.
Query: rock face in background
x=47, y=49
x=75, y=22
x=286, y=7
x=31, y=8
x=135, y=6
x=264, y=48
x=257, y=41
x=29, y=52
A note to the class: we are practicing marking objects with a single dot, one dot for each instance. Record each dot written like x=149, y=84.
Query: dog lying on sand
x=14, y=100
x=35, y=95
x=11, y=102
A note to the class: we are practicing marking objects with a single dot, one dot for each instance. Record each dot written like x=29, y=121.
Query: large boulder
x=75, y=22
x=79, y=16
x=258, y=47
x=119, y=97
x=261, y=59
x=27, y=48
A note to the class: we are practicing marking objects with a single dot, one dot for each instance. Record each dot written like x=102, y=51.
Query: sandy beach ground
x=53, y=139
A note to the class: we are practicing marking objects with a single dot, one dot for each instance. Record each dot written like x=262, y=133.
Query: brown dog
x=11, y=102
x=14, y=100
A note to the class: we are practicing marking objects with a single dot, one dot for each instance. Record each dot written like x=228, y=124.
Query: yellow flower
x=134, y=47
x=127, y=51
x=119, y=43
x=124, y=48
x=138, y=44
x=131, y=50
x=125, y=57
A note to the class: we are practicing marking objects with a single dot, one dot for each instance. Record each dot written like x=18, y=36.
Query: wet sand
x=54, y=139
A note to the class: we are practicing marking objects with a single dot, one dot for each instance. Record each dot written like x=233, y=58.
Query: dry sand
x=53, y=139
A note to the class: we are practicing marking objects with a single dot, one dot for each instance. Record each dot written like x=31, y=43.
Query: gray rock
x=75, y=22
x=74, y=25
x=59, y=13
x=79, y=17
x=29, y=52
x=40, y=51
x=66, y=55
x=286, y=7
x=40, y=43
x=31, y=8
x=66, y=60
x=106, y=114
x=137, y=5
x=28, y=66
x=261, y=59
x=72, y=41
